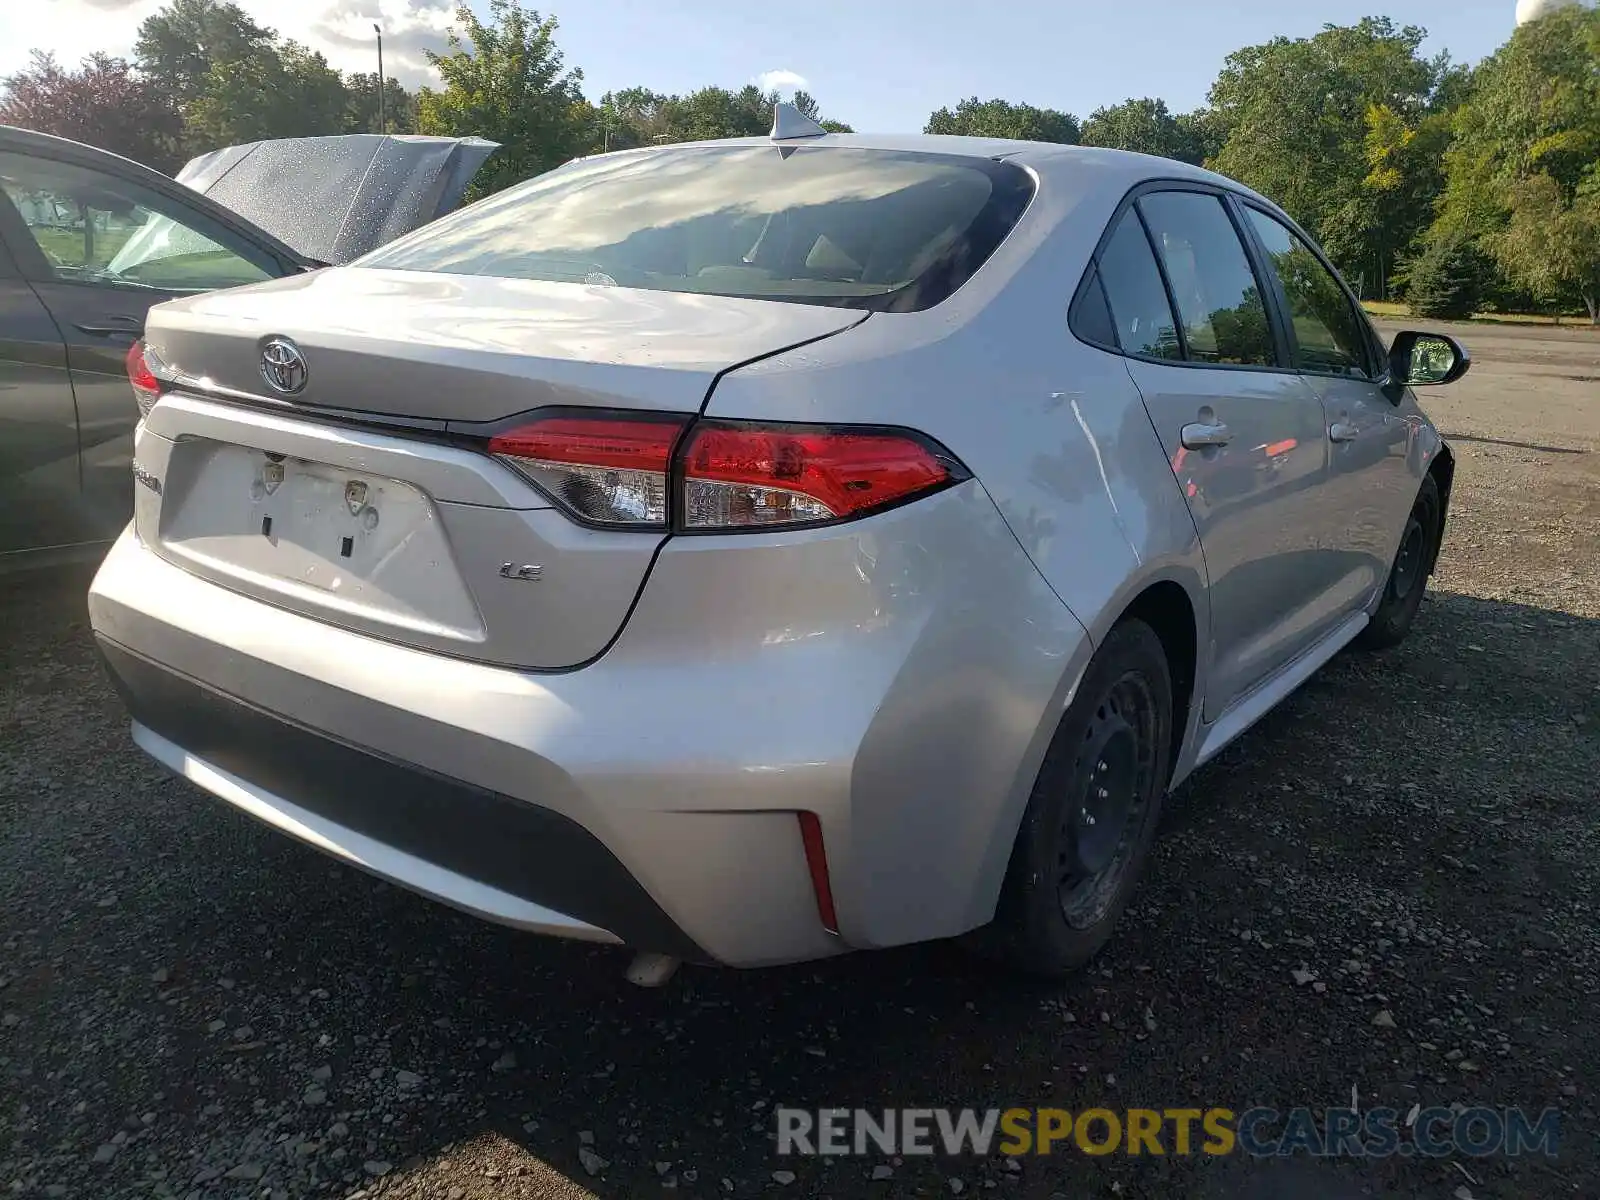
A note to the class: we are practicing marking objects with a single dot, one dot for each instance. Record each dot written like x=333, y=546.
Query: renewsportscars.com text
x=1180, y=1132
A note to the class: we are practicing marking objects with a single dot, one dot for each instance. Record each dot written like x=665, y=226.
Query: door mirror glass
x=1427, y=359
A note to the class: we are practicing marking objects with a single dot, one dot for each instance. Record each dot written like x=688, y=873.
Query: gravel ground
x=192, y=1006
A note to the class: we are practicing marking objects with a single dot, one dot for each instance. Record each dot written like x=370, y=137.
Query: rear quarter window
x=873, y=229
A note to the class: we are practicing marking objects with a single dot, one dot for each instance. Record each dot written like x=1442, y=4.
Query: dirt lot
x=191, y=1006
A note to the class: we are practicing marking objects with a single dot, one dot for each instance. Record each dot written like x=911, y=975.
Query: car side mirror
x=1427, y=359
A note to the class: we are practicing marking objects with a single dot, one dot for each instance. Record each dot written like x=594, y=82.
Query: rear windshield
x=882, y=230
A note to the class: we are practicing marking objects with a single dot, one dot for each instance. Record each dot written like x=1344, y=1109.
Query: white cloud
x=340, y=29
x=780, y=81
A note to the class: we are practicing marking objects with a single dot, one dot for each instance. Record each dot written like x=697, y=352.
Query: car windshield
x=872, y=229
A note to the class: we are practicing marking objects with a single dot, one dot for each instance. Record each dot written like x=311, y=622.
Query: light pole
x=383, y=126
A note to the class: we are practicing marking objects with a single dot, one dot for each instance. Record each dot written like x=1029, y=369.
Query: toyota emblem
x=283, y=366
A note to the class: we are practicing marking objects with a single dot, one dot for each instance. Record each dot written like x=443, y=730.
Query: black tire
x=1408, y=577
x=1067, y=883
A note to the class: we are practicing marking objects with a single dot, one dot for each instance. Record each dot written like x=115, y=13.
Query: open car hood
x=332, y=199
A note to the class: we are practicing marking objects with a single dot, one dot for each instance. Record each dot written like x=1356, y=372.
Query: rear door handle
x=1198, y=437
x=108, y=327
x=1343, y=431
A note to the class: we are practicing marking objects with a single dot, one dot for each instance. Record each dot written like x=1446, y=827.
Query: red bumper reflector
x=817, y=862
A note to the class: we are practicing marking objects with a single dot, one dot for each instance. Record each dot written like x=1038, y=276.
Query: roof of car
x=1119, y=166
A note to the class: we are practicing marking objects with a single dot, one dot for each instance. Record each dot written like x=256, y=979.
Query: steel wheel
x=1112, y=770
x=1093, y=813
x=1408, y=577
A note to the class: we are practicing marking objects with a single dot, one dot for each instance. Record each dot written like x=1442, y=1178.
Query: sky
x=881, y=65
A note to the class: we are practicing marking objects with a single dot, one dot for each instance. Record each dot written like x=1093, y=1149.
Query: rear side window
x=1090, y=316
x=1328, y=336
x=854, y=228
x=1220, y=302
x=1135, y=293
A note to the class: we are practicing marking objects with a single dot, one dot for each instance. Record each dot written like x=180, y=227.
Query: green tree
x=1144, y=126
x=1371, y=227
x=807, y=104
x=629, y=118
x=1202, y=128
x=1295, y=116
x=714, y=112
x=1520, y=172
x=361, y=107
x=273, y=92
x=504, y=79
x=1002, y=119
x=1551, y=245
x=178, y=45
x=1447, y=279
x=641, y=117
x=1534, y=107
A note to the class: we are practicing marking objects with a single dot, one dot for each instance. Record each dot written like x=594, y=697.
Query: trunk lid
x=410, y=533
x=468, y=348
x=333, y=199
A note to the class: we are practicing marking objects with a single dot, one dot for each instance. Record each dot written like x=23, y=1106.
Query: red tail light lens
x=608, y=470
x=618, y=470
x=760, y=476
x=146, y=387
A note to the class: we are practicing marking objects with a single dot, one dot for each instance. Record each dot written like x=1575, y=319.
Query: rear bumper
x=495, y=857
x=898, y=677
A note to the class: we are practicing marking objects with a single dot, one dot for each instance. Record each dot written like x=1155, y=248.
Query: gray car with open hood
x=89, y=241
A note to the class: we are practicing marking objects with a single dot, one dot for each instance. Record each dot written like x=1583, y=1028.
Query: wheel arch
x=1174, y=611
x=1443, y=471
x=1166, y=607
x=1171, y=599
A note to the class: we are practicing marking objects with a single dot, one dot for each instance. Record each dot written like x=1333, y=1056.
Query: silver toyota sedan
x=758, y=550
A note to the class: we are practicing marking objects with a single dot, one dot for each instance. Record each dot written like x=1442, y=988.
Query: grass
x=67, y=244
x=1395, y=311
x=198, y=270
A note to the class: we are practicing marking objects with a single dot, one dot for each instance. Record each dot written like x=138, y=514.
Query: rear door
x=39, y=502
x=99, y=250
x=1374, y=462
x=1244, y=432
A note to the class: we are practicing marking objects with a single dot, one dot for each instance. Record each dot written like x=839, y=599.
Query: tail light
x=647, y=472
x=744, y=476
x=146, y=387
x=607, y=471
